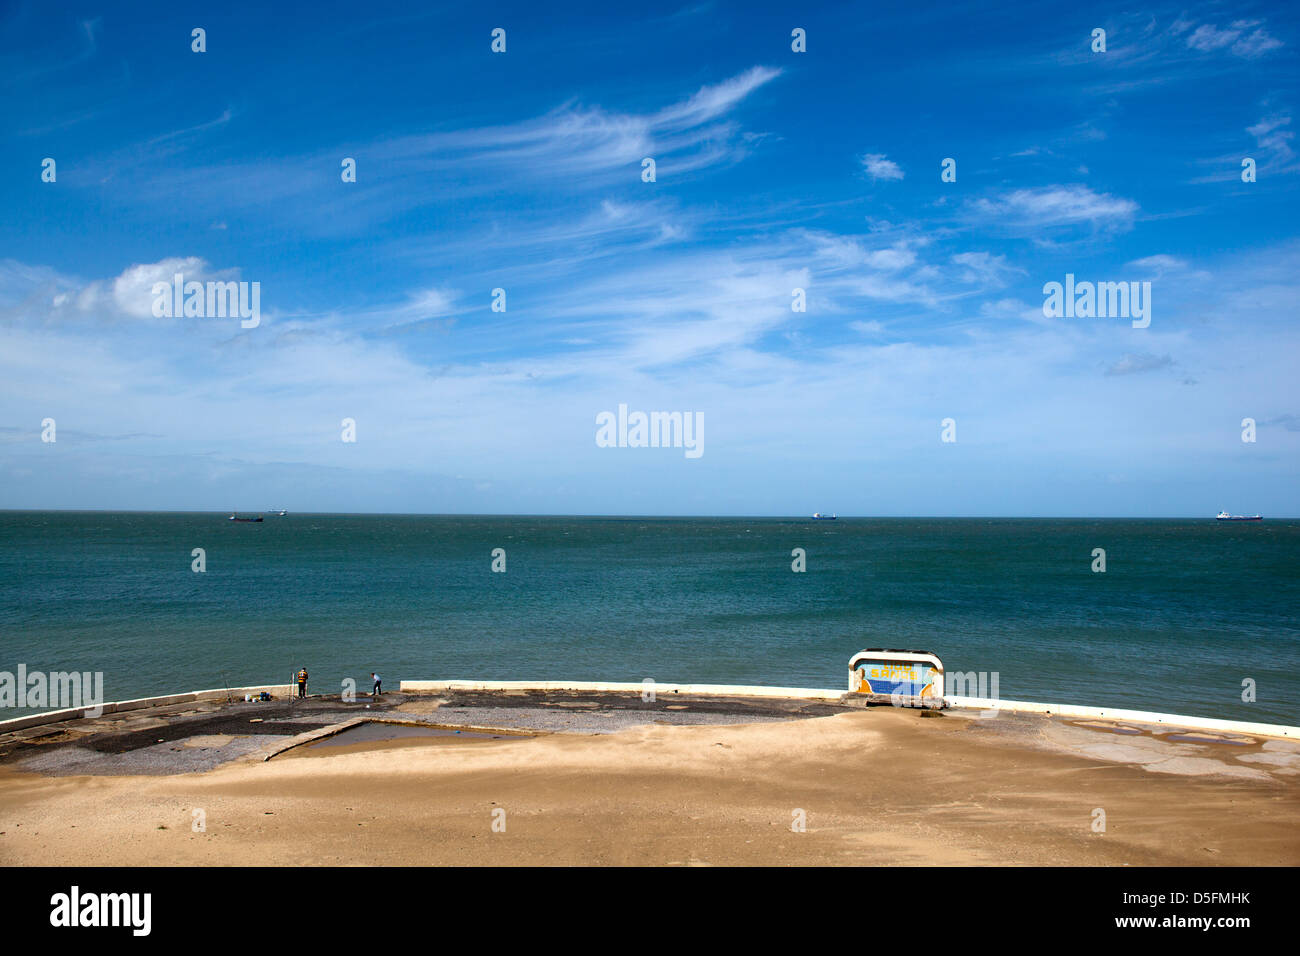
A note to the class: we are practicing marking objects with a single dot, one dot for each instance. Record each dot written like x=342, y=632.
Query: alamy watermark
x=651, y=430
x=129, y=910
x=982, y=685
x=58, y=689
x=208, y=300
x=1101, y=300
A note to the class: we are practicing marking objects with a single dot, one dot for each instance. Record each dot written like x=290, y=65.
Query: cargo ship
x=237, y=518
x=1224, y=516
x=821, y=517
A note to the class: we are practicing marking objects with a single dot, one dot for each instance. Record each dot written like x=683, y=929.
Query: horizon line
x=665, y=516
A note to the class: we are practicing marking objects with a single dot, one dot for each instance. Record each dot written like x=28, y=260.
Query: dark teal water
x=1185, y=611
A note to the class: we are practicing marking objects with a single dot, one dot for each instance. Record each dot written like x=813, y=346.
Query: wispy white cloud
x=1244, y=38
x=687, y=331
x=1055, y=206
x=1162, y=264
x=1269, y=133
x=879, y=167
x=1273, y=137
x=1136, y=364
x=1272, y=151
x=1290, y=422
x=1159, y=263
x=130, y=294
x=1003, y=310
x=891, y=259
x=573, y=149
x=1147, y=50
x=988, y=270
x=57, y=62
x=868, y=328
x=711, y=102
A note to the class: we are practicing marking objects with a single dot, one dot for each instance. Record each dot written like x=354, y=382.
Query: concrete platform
x=201, y=734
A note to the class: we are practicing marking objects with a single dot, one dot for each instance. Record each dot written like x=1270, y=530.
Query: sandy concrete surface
x=875, y=786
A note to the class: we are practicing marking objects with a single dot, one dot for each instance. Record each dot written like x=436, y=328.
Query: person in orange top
x=302, y=682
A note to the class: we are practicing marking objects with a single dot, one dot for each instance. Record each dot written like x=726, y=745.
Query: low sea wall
x=117, y=706
x=1181, y=721
x=737, y=690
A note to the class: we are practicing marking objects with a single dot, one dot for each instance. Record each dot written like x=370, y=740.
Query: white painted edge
x=738, y=690
x=118, y=706
x=1115, y=713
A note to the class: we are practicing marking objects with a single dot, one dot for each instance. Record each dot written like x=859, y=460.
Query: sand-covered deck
x=565, y=777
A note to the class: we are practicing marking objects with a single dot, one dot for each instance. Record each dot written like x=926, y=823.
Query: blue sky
x=774, y=170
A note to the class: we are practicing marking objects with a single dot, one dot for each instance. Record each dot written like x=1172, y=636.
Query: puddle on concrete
x=1212, y=739
x=1105, y=727
x=381, y=733
x=1185, y=737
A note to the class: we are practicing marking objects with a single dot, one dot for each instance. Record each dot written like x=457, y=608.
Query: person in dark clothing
x=378, y=682
x=302, y=682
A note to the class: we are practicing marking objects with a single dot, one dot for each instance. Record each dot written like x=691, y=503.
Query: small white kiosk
x=901, y=678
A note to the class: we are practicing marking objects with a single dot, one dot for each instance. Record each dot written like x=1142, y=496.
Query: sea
x=1188, y=616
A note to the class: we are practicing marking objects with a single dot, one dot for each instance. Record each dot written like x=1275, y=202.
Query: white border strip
x=117, y=706
x=738, y=690
x=1137, y=716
